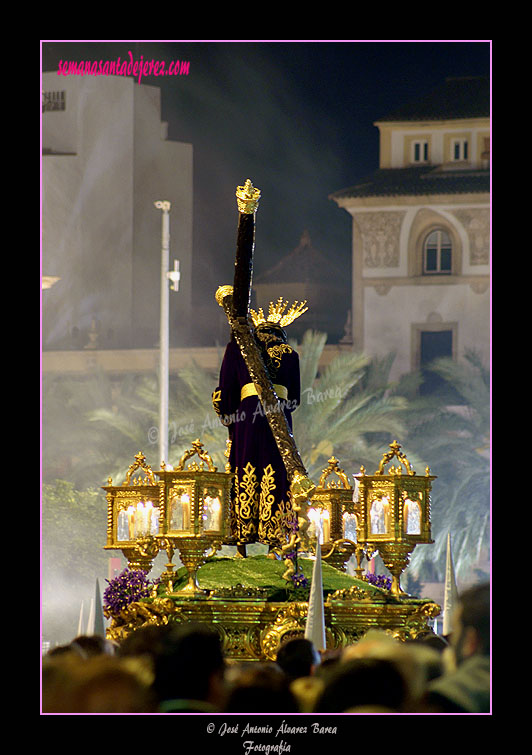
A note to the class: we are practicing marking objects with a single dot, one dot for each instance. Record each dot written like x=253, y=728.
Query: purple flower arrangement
x=379, y=580
x=129, y=586
x=299, y=580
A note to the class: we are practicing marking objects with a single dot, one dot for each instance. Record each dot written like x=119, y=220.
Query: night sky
x=295, y=117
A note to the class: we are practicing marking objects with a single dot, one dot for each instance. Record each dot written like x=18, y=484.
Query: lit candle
x=313, y=516
x=148, y=513
x=326, y=527
x=320, y=524
x=131, y=522
x=144, y=530
x=139, y=520
x=185, y=502
x=216, y=510
x=154, y=529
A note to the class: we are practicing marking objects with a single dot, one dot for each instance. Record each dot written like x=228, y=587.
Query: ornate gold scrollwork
x=247, y=198
x=416, y=622
x=352, y=593
x=239, y=642
x=139, y=463
x=197, y=448
x=395, y=451
x=289, y=621
x=140, y=613
x=221, y=293
x=341, y=551
x=333, y=468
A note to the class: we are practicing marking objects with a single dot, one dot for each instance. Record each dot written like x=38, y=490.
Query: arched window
x=437, y=253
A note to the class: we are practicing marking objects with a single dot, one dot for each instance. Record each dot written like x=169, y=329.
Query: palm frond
x=310, y=351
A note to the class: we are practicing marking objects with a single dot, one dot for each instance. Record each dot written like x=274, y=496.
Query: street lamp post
x=166, y=275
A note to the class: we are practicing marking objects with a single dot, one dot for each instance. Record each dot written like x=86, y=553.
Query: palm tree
x=100, y=423
x=92, y=427
x=73, y=557
x=453, y=439
x=193, y=416
x=349, y=409
x=346, y=409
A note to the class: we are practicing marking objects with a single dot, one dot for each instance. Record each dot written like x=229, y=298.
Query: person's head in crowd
x=416, y=666
x=92, y=645
x=297, y=657
x=189, y=669
x=328, y=660
x=261, y=688
x=60, y=650
x=374, y=640
x=97, y=684
x=471, y=633
x=426, y=661
x=143, y=645
x=429, y=639
x=307, y=690
x=59, y=669
x=146, y=640
x=368, y=684
x=466, y=685
x=107, y=685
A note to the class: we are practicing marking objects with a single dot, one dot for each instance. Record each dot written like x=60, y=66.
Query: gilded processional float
x=264, y=495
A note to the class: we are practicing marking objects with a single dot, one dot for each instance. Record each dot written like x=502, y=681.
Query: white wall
x=101, y=232
x=388, y=319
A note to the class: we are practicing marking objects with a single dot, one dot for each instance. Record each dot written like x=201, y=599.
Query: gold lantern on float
x=332, y=516
x=195, y=514
x=394, y=512
x=133, y=515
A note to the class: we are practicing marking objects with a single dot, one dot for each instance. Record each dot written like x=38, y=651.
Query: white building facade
x=421, y=232
x=106, y=160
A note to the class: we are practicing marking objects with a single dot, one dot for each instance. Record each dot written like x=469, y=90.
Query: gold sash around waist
x=249, y=389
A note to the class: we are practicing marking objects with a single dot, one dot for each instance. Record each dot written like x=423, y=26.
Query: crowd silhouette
x=181, y=669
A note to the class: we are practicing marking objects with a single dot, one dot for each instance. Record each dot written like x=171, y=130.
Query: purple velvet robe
x=260, y=500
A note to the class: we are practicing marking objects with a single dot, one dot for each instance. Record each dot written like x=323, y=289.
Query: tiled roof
x=466, y=97
x=304, y=264
x=418, y=181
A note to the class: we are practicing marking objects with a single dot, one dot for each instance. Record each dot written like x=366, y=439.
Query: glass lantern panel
x=122, y=526
x=143, y=518
x=350, y=526
x=320, y=524
x=212, y=510
x=154, y=522
x=180, y=512
x=379, y=515
x=412, y=517
x=129, y=526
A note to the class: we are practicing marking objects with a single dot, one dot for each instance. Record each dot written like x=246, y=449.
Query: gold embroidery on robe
x=247, y=503
x=276, y=353
x=257, y=515
x=274, y=516
x=266, y=502
x=216, y=398
x=279, y=525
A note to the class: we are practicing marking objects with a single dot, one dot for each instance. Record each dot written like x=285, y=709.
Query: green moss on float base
x=267, y=574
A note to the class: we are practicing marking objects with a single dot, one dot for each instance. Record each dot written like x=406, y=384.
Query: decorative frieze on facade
x=380, y=233
x=382, y=288
x=479, y=287
x=476, y=222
